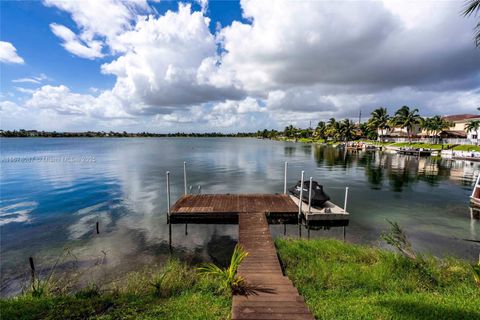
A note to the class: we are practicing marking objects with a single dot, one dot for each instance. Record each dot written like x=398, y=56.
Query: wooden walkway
x=273, y=296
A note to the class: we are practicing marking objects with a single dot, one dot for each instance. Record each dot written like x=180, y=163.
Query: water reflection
x=47, y=206
x=401, y=171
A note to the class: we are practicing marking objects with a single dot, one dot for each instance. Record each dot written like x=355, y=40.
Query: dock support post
x=284, y=229
x=300, y=204
x=285, y=178
x=346, y=198
x=344, y=233
x=186, y=229
x=32, y=270
x=308, y=231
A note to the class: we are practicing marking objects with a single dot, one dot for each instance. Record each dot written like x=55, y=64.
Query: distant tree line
x=376, y=127
x=92, y=134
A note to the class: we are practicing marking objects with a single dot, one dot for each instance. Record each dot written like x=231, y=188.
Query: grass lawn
x=375, y=142
x=311, y=140
x=346, y=281
x=180, y=293
x=421, y=145
x=337, y=279
x=467, y=147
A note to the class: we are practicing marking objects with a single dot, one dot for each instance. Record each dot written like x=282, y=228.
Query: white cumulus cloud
x=89, y=49
x=8, y=53
x=286, y=61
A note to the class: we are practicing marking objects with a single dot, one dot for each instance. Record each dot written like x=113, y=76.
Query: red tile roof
x=453, y=134
x=460, y=117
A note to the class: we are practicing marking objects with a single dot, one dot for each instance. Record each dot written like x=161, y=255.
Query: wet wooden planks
x=273, y=296
x=225, y=208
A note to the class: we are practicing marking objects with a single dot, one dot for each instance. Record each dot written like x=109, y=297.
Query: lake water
x=53, y=191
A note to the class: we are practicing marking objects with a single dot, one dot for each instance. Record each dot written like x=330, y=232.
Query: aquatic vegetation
x=230, y=281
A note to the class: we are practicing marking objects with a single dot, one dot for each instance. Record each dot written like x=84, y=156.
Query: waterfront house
x=458, y=132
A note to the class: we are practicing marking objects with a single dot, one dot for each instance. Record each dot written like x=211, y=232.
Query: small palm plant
x=398, y=239
x=230, y=281
x=476, y=272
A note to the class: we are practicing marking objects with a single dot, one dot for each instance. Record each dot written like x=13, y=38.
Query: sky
x=229, y=66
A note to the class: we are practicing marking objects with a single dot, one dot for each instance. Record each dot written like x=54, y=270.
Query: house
x=399, y=132
x=458, y=128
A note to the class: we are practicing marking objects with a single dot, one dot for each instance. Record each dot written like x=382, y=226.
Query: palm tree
x=347, y=129
x=435, y=125
x=290, y=131
x=229, y=280
x=472, y=7
x=438, y=124
x=379, y=121
x=320, y=130
x=333, y=128
x=473, y=126
x=406, y=118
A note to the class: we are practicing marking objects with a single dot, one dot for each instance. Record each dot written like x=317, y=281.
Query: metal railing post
x=168, y=196
x=346, y=199
x=168, y=213
x=185, y=188
x=185, y=176
x=300, y=202
x=285, y=178
x=310, y=196
x=476, y=184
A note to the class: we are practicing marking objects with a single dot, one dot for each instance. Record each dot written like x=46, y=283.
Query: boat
x=369, y=147
x=318, y=196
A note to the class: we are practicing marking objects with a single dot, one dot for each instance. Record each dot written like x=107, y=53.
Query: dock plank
x=225, y=208
x=274, y=295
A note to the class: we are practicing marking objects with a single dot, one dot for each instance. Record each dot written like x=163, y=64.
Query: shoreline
x=321, y=269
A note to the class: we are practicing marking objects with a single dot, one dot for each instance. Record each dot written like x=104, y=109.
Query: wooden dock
x=273, y=294
x=413, y=152
x=226, y=208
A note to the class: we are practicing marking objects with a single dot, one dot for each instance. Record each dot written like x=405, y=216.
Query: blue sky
x=26, y=23
x=230, y=66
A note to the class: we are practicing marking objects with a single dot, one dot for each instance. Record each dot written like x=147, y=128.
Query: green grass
x=176, y=291
x=467, y=147
x=338, y=281
x=375, y=142
x=421, y=145
x=346, y=281
x=311, y=140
